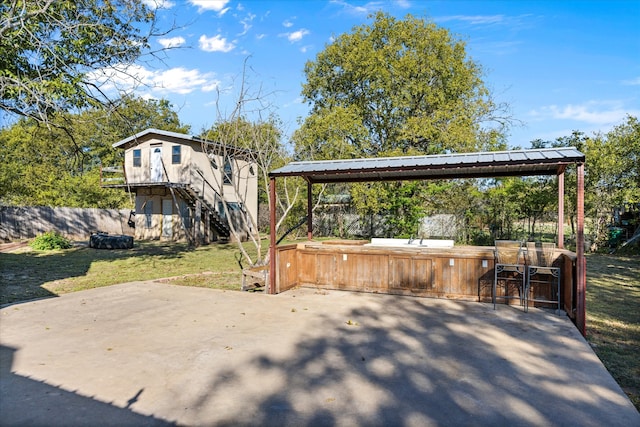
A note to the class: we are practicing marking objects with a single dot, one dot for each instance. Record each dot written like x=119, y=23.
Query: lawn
x=27, y=274
x=613, y=317
x=613, y=288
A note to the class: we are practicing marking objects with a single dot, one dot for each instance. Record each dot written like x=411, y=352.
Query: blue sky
x=561, y=65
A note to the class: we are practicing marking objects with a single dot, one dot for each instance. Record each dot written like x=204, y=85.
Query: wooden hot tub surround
x=460, y=272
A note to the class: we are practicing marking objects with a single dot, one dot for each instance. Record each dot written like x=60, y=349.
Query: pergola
x=535, y=162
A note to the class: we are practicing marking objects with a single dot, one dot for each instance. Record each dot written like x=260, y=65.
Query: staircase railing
x=112, y=175
x=218, y=222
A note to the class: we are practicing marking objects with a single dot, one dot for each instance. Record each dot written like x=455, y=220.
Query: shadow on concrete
x=405, y=363
x=28, y=402
x=303, y=358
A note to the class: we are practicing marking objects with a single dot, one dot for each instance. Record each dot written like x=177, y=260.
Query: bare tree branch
x=252, y=126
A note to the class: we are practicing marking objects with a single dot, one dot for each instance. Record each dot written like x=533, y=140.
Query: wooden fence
x=20, y=223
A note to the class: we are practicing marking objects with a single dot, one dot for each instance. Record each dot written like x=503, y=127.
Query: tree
x=59, y=165
x=612, y=174
x=96, y=129
x=617, y=165
x=396, y=84
x=52, y=50
x=396, y=87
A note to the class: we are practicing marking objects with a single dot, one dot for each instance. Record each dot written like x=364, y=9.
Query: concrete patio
x=150, y=353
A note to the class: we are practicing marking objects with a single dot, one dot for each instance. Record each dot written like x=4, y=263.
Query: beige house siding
x=152, y=181
x=149, y=222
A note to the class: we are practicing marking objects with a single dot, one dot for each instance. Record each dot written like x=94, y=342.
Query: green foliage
x=394, y=84
x=395, y=87
x=612, y=179
x=49, y=49
x=59, y=165
x=612, y=174
x=49, y=241
x=613, y=162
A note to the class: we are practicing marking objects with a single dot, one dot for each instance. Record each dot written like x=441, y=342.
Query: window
x=148, y=214
x=175, y=155
x=137, y=158
x=227, y=177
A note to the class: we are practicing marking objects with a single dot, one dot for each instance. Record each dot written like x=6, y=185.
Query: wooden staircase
x=218, y=223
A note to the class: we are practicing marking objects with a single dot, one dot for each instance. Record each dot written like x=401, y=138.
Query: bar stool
x=543, y=279
x=509, y=269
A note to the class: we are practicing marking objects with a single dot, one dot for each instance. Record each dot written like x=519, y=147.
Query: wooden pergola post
x=561, y=210
x=581, y=262
x=271, y=289
x=309, y=210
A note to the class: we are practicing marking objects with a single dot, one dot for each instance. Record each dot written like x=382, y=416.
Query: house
x=187, y=188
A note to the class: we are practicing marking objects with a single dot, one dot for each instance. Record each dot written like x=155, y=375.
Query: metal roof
x=152, y=131
x=245, y=153
x=546, y=161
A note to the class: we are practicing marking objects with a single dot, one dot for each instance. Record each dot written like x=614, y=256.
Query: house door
x=156, y=164
x=167, y=218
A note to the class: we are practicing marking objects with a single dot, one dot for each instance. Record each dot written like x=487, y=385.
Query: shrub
x=50, y=240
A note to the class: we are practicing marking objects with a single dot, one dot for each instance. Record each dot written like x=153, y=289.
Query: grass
x=28, y=274
x=613, y=318
x=613, y=288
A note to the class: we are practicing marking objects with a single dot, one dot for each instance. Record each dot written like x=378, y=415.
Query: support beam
x=561, y=210
x=207, y=226
x=309, y=211
x=581, y=262
x=271, y=288
x=198, y=223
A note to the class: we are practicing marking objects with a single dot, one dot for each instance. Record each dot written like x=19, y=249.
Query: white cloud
x=172, y=42
x=182, y=81
x=506, y=47
x=213, y=85
x=246, y=23
x=591, y=112
x=632, y=82
x=296, y=36
x=121, y=77
x=513, y=22
x=474, y=19
x=365, y=9
x=147, y=82
x=159, y=4
x=287, y=24
x=215, y=44
x=215, y=5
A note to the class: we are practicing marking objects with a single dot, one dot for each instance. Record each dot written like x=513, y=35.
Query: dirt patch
x=12, y=246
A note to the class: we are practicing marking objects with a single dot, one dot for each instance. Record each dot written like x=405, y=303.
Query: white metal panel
x=167, y=218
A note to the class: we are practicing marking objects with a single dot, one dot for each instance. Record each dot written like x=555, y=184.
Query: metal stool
x=509, y=269
x=543, y=279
